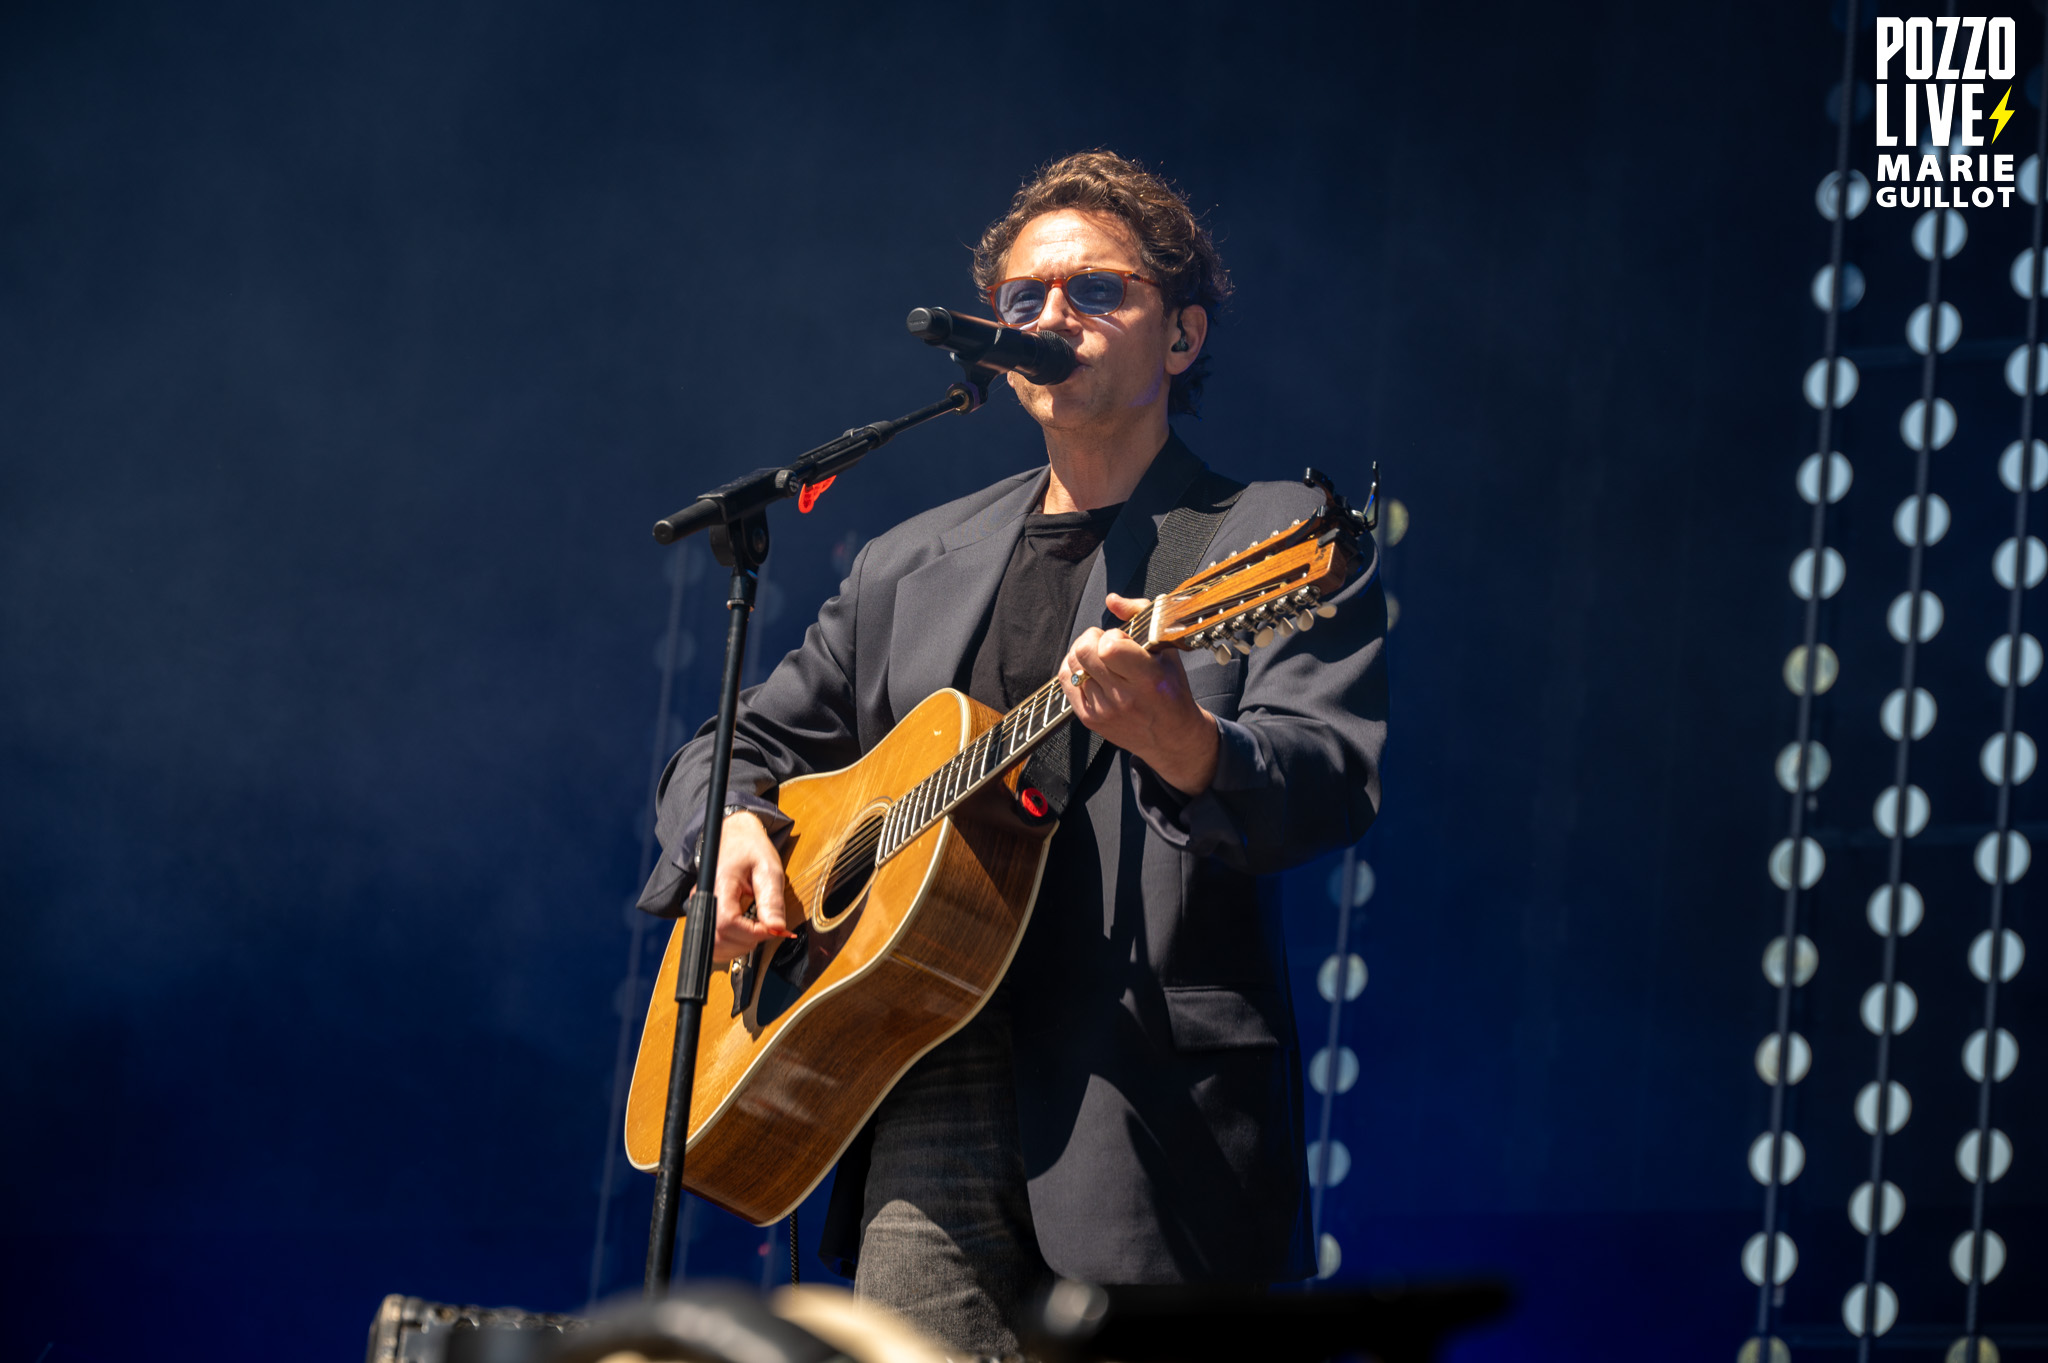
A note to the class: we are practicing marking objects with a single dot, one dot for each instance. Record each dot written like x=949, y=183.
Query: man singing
x=1127, y=1107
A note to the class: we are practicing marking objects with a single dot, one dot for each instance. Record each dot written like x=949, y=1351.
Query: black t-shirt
x=1032, y=621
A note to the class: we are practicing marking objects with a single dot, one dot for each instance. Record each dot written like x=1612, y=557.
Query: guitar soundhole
x=852, y=869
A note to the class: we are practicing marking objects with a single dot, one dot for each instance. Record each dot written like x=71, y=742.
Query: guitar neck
x=1003, y=745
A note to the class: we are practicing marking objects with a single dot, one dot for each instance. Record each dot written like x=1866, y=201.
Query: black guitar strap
x=1184, y=538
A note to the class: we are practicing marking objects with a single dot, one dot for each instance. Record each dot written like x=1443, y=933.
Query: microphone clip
x=974, y=381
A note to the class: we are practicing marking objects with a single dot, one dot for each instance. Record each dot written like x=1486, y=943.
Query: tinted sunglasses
x=1092, y=293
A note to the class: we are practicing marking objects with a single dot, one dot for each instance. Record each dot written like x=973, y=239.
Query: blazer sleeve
x=802, y=719
x=1299, y=768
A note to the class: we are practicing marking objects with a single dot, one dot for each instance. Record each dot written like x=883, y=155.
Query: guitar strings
x=839, y=869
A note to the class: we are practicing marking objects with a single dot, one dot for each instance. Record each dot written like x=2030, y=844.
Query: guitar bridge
x=741, y=972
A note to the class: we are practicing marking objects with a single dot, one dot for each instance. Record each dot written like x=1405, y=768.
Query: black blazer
x=1158, y=1074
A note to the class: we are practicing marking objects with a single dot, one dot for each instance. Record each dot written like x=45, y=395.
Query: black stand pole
x=735, y=514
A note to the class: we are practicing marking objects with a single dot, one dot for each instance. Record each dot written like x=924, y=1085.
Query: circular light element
x=1791, y=1158
x=1823, y=289
x=1397, y=521
x=1329, y=1256
x=1885, y=814
x=2016, y=369
x=2037, y=467
x=1911, y=910
x=1332, y=1174
x=1955, y=232
x=1752, y=1351
x=1393, y=611
x=1826, y=668
x=1906, y=520
x=1815, y=386
x=1840, y=474
x=1891, y=716
x=2025, y=276
x=1861, y=100
x=1913, y=424
x=1319, y=1069
x=1894, y=1208
x=1812, y=862
x=1991, y=761
x=2005, y=562
x=1832, y=571
x=1882, y=1310
x=1897, y=1111
x=1363, y=883
x=1959, y=1256
x=686, y=651
x=2008, y=1056
x=1818, y=765
x=2019, y=854
x=1898, y=620
x=1905, y=1007
x=1945, y=340
x=1784, y=1262
x=1767, y=1059
x=1354, y=978
x=1968, y=1148
x=1998, y=662
x=2010, y=957
x=1828, y=197
x=1805, y=960
x=1962, y=1351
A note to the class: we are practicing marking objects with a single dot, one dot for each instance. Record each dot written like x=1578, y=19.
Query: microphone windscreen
x=931, y=325
x=1056, y=360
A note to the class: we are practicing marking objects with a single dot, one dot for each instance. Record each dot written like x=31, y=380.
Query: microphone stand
x=736, y=516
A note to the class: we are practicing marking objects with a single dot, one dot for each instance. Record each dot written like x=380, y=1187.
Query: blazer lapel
x=1120, y=567
x=939, y=606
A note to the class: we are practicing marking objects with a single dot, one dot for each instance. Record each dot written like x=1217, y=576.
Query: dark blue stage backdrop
x=347, y=353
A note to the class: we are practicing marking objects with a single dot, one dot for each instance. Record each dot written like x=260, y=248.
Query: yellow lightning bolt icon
x=2002, y=113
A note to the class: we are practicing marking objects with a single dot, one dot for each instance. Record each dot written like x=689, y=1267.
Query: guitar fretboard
x=1004, y=744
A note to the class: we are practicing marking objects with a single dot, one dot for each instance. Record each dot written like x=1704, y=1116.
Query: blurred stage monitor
x=1071, y=1323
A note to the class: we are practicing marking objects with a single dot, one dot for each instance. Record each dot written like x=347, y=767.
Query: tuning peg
x=1305, y=621
x=1263, y=637
x=1326, y=611
x=1223, y=653
x=1242, y=642
x=1282, y=627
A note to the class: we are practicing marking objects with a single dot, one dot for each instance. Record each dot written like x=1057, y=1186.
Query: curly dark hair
x=1173, y=245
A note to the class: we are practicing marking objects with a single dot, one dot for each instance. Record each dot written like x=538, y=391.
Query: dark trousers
x=946, y=1233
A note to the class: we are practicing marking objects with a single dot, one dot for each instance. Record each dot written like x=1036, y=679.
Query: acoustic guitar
x=911, y=876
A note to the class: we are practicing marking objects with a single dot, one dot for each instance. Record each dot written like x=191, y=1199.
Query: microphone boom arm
x=749, y=496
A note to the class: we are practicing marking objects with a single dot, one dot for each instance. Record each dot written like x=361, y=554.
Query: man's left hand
x=1140, y=702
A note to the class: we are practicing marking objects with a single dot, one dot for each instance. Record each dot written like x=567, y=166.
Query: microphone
x=1043, y=359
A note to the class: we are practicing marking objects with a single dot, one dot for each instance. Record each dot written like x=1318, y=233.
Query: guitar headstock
x=1271, y=588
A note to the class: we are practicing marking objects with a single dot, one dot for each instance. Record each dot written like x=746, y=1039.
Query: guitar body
x=884, y=969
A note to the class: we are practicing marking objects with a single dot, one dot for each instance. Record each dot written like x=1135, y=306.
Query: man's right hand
x=749, y=882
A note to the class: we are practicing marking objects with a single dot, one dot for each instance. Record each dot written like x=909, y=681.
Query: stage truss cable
x=1796, y=863
x=1903, y=809
x=1985, y=1150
